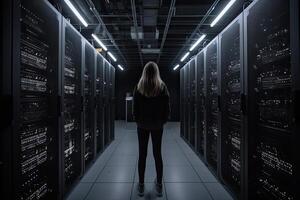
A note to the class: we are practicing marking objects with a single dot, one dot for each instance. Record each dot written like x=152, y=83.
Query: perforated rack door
x=36, y=33
x=89, y=107
x=272, y=129
x=212, y=102
x=72, y=104
x=200, y=104
x=192, y=102
x=232, y=137
x=100, y=103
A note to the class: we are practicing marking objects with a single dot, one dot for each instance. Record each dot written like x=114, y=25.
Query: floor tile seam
x=133, y=181
x=100, y=172
x=197, y=174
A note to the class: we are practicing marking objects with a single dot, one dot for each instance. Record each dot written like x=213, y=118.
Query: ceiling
x=166, y=28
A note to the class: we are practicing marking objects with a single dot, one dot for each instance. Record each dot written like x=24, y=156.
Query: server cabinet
x=232, y=143
x=106, y=103
x=181, y=102
x=200, y=105
x=212, y=101
x=271, y=82
x=100, y=104
x=112, y=103
x=186, y=103
x=36, y=44
x=72, y=104
x=192, y=101
x=89, y=107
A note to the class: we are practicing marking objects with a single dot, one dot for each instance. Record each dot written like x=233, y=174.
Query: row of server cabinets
x=58, y=94
x=239, y=99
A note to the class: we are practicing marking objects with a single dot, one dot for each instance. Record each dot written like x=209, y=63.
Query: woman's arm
x=135, y=105
x=166, y=104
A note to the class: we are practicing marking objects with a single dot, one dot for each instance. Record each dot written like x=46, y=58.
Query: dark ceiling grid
x=178, y=25
x=170, y=14
x=133, y=10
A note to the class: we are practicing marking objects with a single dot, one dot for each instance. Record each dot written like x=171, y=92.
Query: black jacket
x=151, y=112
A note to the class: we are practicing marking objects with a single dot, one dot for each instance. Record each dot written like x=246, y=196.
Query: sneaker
x=158, y=187
x=141, y=188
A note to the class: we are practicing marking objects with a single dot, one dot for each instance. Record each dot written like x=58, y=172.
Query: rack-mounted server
x=89, y=107
x=99, y=104
x=72, y=104
x=247, y=92
x=35, y=91
x=200, y=105
x=49, y=98
x=271, y=89
x=212, y=104
x=232, y=141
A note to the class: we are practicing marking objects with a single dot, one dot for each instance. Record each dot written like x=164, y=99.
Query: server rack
x=89, y=97
x=72, y=105
x=181, y=102
x=42, y=85
x=106, y=104
x=100, y=104
x=186, y=102
x=192, y=101
x=212, y=104
x=271, y=90
x=112, y=103
x=200, y=105
x=258, y=87
x=36, y=53
x=232, y=135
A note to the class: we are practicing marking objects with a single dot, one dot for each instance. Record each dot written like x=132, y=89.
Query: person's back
x=151, y=110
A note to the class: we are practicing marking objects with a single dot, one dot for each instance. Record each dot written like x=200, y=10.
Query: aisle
x=114, y=175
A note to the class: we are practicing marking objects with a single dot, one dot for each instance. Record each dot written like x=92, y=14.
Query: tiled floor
x=114, y=174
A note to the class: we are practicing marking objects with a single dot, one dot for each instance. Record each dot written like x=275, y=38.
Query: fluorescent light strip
x=184, y=57
x=112, y=56
x=121, y=67
x=99, y=42
x=198, y=41
x=76, y=13
x=222, y=13
x=176, y=67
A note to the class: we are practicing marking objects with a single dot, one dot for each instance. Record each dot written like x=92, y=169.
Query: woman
x=151, y=111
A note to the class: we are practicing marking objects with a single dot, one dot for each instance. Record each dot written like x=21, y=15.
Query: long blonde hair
x=150, y=83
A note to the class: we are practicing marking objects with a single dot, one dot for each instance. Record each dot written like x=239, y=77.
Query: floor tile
x=122, y=160
x=217, y=191
x=117, y=174
x=178, y=173
x=187, y=191
x=205, y=174
x=110, y=191
x=81, y=191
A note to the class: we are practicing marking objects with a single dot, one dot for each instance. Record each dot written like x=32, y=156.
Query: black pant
x=156, y=137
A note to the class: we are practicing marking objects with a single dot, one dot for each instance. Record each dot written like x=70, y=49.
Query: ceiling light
x=197, y=42
x=184, y=57
x=121, y=67
x=76, y=13
x=99, y=42
x=112, y=56
x=222, y=13
x=176, y=67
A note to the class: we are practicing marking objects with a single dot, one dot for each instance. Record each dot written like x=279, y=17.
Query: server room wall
x=126, y=81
